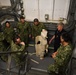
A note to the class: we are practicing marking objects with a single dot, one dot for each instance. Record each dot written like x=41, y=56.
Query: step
x=36, y=72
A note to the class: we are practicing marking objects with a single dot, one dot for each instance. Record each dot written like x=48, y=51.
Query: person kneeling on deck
x=17, y=45
x=41, y=44
x=61, y=56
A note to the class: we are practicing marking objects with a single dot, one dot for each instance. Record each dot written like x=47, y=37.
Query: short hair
x=15, y=38
x=66, y=37
x=21, y=17
x=36, y=20
x=7, y=22
x=62, y=24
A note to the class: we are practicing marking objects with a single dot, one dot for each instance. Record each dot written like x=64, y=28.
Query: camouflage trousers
x=55, y=69
x=19, y=58
x=3, y=57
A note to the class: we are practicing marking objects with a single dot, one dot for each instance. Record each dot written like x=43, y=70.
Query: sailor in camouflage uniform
x=17, y=45
x=1, y=41
x=24, y=30
x=37, y=28
x=2, y=47
x=61, y=56
x=8, y=32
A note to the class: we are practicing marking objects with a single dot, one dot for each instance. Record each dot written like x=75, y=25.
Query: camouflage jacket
x=8, y=33
x=1, y=38
x=36, y=30
x=15, y=47
x=64, y=52
x=23, y=29
x=1, y=41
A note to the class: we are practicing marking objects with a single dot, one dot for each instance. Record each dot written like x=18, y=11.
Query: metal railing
x=9, y=53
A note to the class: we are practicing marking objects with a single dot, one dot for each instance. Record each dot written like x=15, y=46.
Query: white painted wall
x=61, y=8
x=45, y=7
x=30, y=9
x=38, y=9
x=5, y=3
x=56, y=9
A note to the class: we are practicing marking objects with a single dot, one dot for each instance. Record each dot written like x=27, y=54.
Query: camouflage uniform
x=61, y=60
x=2, y=48
x=9, y=33
x=15, y=47
x=36, y=30
x=24, y=30
x=1, y=41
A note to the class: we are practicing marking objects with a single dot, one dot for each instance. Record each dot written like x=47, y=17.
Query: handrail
x=11, y=52
x=9, y=59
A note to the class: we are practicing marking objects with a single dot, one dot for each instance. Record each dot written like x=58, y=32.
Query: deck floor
x=35, y=64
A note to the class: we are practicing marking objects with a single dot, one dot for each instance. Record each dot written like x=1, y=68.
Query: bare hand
x=22, y=43
x=50, y=41
x=54, y=54
x=30, y=35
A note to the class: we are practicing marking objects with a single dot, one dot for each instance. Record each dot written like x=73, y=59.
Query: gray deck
x=35, y=65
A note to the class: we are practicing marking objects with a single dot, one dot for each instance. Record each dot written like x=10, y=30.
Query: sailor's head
x=7, y=24
x=17, y=39
x=36, y=21
x=60, y=26
x=22, y=19
x=65, y=37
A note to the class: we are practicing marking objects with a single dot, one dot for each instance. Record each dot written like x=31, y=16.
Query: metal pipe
x=38, y=11
x=53, y=9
